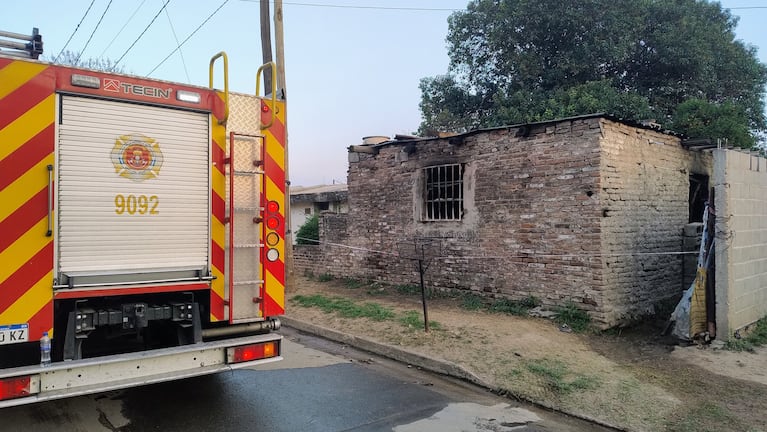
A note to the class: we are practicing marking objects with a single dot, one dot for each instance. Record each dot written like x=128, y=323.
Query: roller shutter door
x=133, y=191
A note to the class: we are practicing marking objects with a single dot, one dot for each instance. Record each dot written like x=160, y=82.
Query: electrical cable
x=93, y=32
x=365, y=7
x=75, y=31
x=181, y=53
x=187, y=38
x=142, y=34
x=122, y=28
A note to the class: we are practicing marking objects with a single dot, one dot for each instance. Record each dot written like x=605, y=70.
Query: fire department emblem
x=137, y=157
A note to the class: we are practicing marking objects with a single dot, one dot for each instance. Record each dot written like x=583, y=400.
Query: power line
x=187, y=38
x=365, y=7
x=93, y=32
x=142, y=34
x=75, y=31
x=181, y=53
x=122, y=28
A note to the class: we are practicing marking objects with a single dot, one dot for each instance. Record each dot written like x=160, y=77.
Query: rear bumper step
x=93, y=375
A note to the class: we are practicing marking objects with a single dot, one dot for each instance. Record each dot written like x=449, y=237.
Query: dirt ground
x=632, y=379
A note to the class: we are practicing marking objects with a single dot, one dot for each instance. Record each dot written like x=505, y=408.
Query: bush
x=309, y=232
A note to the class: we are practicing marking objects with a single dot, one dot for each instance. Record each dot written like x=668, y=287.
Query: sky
x=352, y=67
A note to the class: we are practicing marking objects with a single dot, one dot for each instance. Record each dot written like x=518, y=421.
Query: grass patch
x=755, y=338
x=706, y=417
x=578, y=319
x=325, y=277
x=519, y=308
x=471, y=301
x=413, y=319
x=557, y=378
x=408, y=289
x=351, y=283
x=345, y=307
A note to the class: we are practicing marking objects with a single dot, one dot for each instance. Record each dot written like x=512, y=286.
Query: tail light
x=16, y=387
x=246, y=353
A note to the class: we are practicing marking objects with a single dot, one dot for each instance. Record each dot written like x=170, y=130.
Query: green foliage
x=325, y=277
x=756, y=337
x=513, y=61
x=519, y=308
x=352, y=283
x=578, y=319
x=309, y=232
x=414, y=320
x=700, y=118
x=558, y=379
x=345, y=307
x=471, y=301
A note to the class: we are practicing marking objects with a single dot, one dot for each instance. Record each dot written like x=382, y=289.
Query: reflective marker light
x=248, y=353
x=272, y=255
x=187, y=96
x=272, y=222
x=86, y=81
x=12, y=388
x=272, y=239
x=272, y=207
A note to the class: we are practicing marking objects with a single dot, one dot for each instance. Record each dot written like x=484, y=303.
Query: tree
x=309, y=232
x=71, y=58
x=517, y=61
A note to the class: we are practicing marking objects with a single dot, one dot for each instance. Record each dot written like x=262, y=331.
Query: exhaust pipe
x=256, y=327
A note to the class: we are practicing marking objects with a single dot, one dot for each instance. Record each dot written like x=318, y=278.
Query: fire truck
x=142, y=227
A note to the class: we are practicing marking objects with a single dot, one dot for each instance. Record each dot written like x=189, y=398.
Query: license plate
x=15, y=333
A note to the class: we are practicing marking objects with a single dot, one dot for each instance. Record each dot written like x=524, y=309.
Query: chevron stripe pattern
x=274, y=190
x=27, y=137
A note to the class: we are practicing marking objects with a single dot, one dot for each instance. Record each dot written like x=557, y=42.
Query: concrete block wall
x=741, y=240
x=644, y=197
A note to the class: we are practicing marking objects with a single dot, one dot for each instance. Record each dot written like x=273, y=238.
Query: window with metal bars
x=443, y=192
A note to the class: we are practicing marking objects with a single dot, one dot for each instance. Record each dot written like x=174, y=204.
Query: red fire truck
x=142, y=227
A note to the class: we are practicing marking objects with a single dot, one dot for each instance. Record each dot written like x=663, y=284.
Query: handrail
x=226, y=82
x=259, y=73
x=49, y=232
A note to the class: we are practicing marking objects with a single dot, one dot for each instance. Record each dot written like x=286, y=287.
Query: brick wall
x=644, y=203
x=527, y=198
x=741, y=240
x=543, y=205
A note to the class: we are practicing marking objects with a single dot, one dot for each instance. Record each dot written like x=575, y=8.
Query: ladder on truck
x=244, y=243
x=19, y=45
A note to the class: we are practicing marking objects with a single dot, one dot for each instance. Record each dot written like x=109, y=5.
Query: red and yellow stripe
x=218, y=212
x=27, y=138
x=274, y=190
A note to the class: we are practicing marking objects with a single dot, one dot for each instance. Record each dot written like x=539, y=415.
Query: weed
x=325, y=277
x=413, y=319
x=509, y=307
x=408, y=289
x=554, y=374
x=578, y=319
x=351, y=283
x=345, y=307
x=471, y=301
x=755, y=338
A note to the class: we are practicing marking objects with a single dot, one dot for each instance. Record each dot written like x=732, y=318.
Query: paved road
x=321, y=386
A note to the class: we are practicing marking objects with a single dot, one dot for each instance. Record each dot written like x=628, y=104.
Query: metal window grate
x=443, y=192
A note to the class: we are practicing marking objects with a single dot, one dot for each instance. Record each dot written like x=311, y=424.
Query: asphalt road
x=321, y=386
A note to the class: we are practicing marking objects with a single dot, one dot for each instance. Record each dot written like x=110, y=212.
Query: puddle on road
x=471, y=417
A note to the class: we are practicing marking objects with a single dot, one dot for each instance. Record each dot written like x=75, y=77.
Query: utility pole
x=279, y=42
x=266, y=45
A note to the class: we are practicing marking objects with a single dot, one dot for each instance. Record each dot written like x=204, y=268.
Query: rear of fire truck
x=142, y=229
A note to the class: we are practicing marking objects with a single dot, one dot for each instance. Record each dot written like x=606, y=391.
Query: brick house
x=589, y=209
